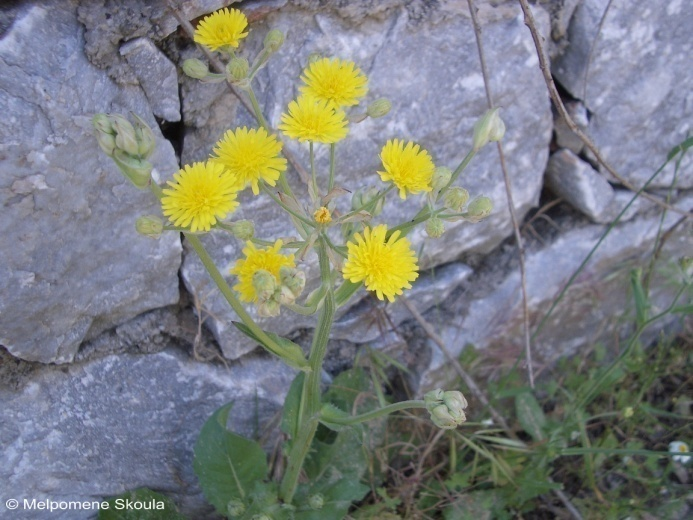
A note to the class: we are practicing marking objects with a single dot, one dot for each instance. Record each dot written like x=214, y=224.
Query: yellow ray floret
x=408, y=166
x=250, y=156
x=268, y=259
x=386, y=267
x=199, y=195
x=340, y=82
x=221, y=29
x=311, y=119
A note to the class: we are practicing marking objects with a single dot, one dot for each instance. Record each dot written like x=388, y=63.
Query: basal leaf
x=226, y=464
x=530, y=415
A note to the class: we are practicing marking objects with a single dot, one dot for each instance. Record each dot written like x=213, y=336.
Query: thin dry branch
x=511, y=205
x=560, y=107
x=219, y=66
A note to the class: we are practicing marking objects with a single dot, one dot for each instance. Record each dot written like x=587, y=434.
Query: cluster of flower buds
x=446, y=408
x=128, y=145
x=273, y=293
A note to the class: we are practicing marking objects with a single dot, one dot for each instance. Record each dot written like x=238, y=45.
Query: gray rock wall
x=138, y=373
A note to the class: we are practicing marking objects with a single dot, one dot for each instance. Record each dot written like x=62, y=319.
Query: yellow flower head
x=311, y=119
x=409, y=167
x=322, y=215
x=225, y=27
x=268, y=259
x=384, y=267
x=250, y=156
x=199, y=195
x=334, y=80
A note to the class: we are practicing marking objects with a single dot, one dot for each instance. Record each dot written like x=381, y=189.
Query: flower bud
x=455, y=198
x=238, y=69
x=456, y=404
x=125, y=135
x=435, y=227
x=243, y=229
x=137, y=171
x=102, y=124
x=316, y=501
x=441, y=177
x=284, y=295
x=268, y=308
x=195, y=68
x=146, y=142
x=446, y=408
x=264, y=284
x=479, y=208
x=293, y=279
x=379, y=108
x=107, y=142
x=490, y=127
x=235, y=508
x=322, y=215
x=150, y=226
x=274, y=40
x=363, y=197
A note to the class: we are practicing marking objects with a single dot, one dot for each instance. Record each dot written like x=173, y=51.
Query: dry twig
x=511, y=205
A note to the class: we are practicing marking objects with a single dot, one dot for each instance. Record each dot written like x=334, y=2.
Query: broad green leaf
x=530, y=415
x=291, y=353
x=140, y=504
x=226, y=464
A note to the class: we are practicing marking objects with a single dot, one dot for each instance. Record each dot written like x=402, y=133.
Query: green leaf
x=683, y=309
x=291, y=353
x=530, y=415
x=227, y=465
x=642, y=304
x=154, y=506
x=338, y=490
x=292, y=406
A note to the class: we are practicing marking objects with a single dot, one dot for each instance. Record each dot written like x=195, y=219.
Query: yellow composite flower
x=408, y=166
x=386, y=267
x=339, y=81
x=268, y=259
x=311, y=119
x=220, y=29
x=199, y=195
x=250, y=156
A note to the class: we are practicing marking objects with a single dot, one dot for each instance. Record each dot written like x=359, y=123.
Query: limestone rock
x=578, y=183
x=565, y=137
x=157, y=75
x=437, y=96
x=593, y=308
x=122, y=422
x=71, y=264
x=627, y=62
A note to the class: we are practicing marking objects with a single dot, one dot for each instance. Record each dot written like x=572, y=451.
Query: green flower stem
x=453, y=215
x=259, y=62
x=287, y=208
x=345, y=291
x=406, y=227
x=340, y=250
x=457, y=172
x=310, y=398
x=256, y=108
x=330, y=185
x=313, y=175
x=374, y=414
x=368, y=206
x=156, y=189
x=214, y=273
